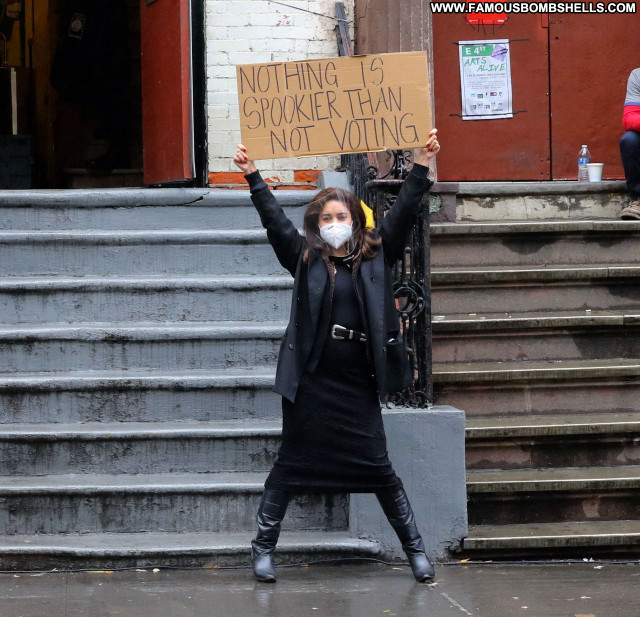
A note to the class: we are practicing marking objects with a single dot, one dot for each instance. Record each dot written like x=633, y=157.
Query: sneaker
x=632, y=211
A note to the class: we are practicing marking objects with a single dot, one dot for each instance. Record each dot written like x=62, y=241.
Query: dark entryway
x=107, y=93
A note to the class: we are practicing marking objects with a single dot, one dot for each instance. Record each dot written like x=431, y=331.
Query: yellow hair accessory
x=368, y=213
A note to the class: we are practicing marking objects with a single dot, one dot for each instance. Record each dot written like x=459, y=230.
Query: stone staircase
x=137, y=422
x=537, y=337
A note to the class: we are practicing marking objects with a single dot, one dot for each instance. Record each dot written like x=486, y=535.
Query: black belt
x=340, y=333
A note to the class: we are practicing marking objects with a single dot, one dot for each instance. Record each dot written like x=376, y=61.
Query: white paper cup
x=595, y=171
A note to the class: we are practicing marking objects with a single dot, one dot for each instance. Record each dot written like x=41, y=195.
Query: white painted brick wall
x=244, y=32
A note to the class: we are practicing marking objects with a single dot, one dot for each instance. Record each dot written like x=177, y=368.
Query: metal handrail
x=412, y=274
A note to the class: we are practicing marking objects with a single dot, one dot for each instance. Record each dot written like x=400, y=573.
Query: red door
x=167, y=106
x=591, y=58
x=515, y=148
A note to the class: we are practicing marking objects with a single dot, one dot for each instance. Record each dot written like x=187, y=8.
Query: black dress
x=333, y=437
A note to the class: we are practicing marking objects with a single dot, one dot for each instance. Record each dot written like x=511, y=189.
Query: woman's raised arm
x=286, y=240
x=401, y=218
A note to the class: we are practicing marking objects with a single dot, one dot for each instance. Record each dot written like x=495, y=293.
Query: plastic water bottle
x=583, y=159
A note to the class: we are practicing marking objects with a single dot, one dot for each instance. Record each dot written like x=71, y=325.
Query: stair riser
x=168, y=354
x=144, y=305
x=533, y=249
x=67, y=257
x=143, y=217
x=567, y=205
x=541, y=453
x=555, y=549
x=604, y=294
x=536, y=398
x=555, y=507
x=137, y=259
x=557, y=344
x=186, y=512
x=232, y=557
x=84, y=305
x=142, y=405
x=137, y=456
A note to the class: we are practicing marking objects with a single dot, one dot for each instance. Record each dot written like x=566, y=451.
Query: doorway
x=568, y=75
x=72, y=79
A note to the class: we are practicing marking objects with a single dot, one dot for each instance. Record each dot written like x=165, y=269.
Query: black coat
x=375, y=280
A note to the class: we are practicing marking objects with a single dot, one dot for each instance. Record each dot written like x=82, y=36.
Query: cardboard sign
x=334, y=105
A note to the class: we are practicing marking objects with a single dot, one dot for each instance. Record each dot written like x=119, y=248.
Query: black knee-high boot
x=271, y=511
x=395, y=504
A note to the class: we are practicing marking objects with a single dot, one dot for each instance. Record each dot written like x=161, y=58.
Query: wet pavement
x=364, y=590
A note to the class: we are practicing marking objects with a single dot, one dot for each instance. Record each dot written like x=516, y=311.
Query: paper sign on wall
x=334, y=105
x=485, y=79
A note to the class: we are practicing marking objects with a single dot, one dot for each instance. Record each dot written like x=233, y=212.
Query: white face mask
x=336, y=234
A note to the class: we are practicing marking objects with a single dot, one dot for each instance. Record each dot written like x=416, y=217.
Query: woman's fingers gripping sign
x=242, y=161
x=433, y=145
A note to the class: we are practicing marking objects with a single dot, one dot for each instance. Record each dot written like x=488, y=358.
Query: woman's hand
x=242, y=161
x=431, y=148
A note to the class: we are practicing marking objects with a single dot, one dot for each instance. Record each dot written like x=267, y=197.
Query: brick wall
x=245, y=32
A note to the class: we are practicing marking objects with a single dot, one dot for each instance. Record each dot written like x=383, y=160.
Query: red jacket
x=631, y=118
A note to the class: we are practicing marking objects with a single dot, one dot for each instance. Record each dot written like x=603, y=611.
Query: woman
x=341, y=353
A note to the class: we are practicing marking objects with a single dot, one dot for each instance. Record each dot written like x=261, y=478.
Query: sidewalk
x=364, y=590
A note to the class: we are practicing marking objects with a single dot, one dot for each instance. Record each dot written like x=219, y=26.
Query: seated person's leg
x=630, y=153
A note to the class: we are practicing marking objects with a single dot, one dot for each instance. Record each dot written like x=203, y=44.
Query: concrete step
x=518, y=496
x=138, y=447
x=580, y=538
x=534, y=243
x=138, y=396
x=199, y=549
x=155, y=345
x=508, y=337
x=185, y=345
x=539, y=388
x=545, y=442
x=49, y=299
x=137, y=252
x=532, y=201
x=138, y=209
x=173, y=502
x=527, y=289
x=247, y=251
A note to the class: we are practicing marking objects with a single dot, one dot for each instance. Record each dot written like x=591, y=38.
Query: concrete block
x=221, y=98
x=217, y=6
x=217, y=58
x=229, y=45
x=217, y=33
x=303, y=33
x=325, y=47
x=221, y=164
x=220, y=84
x=427, y=450
x=218, y=111
x=249, y=7
x=233, y=18
x=275, y=18
x=227, y=71
x=337, y=179
x=266, y=45
x=250, y=57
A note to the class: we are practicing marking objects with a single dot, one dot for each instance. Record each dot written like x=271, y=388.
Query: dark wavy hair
x=366, y=240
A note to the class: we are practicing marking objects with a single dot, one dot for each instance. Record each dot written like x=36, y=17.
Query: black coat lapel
x=317, y=281
x=372, y=272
